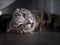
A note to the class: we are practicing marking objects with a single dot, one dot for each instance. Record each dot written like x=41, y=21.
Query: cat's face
x=27, y=18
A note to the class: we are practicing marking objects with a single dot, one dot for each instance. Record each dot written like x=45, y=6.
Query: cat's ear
x=23, y=9
x=17, y=9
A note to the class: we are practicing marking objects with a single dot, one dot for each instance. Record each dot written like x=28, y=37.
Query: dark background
x=51, y=6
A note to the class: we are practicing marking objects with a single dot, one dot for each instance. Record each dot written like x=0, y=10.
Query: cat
x=23, y=21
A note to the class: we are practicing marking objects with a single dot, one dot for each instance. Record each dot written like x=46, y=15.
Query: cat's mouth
x=26, y=27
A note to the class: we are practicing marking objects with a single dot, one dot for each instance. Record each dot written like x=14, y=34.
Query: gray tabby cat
x=23, y=21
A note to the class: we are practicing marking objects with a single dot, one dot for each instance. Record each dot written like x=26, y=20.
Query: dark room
x=29, y=22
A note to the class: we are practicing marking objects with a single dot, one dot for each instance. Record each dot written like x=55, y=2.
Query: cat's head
x=22, y=12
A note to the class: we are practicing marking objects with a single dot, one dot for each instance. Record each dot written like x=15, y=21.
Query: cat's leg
x=20, y=28
x=8, y=28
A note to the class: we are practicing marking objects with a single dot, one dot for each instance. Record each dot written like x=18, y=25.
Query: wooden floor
x=34, y=38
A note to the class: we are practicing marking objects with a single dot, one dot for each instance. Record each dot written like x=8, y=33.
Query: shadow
x=4, y=19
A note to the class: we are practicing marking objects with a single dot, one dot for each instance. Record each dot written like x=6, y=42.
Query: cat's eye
x=19, y=14
x=29, y=13
x=23, y=14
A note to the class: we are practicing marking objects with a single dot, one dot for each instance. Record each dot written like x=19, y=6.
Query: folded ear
x=23, y=9
x=17, y=9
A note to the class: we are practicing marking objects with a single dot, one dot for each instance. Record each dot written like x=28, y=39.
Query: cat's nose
x=28, y=22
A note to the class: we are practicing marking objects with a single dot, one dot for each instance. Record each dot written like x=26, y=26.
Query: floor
x=34, y=38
